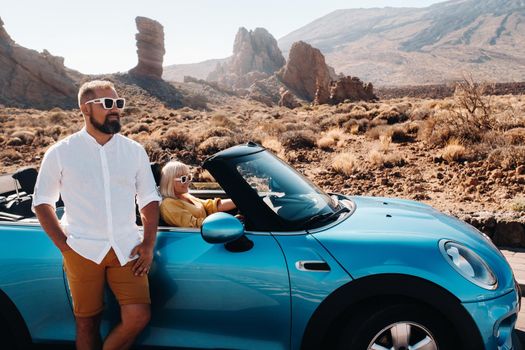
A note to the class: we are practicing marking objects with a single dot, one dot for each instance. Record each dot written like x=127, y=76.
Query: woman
x=179, y=207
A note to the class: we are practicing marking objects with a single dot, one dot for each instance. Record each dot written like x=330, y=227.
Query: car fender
x=330, y=316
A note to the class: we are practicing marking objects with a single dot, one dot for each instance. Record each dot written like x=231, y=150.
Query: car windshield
x=289, y=194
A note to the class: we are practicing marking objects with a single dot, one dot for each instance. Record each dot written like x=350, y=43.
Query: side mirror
x=221, y=228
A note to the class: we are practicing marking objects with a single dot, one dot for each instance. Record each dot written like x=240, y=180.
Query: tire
x=6, y=338
x=397, y=327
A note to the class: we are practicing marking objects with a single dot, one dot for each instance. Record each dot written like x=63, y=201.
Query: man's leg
x=88, y=333
x=134, y=317
x=86, y=284
x=132, y=293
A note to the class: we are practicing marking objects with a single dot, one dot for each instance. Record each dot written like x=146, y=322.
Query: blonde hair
x=170, y=171
x=87, y=90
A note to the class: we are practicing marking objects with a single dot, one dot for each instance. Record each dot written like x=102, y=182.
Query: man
x=98, y=173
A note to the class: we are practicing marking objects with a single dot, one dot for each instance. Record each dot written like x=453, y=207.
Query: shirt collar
x=90, y=138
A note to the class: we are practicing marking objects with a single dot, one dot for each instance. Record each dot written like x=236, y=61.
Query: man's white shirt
x=98, y=185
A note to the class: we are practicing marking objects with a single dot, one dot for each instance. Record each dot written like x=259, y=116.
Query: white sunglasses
x=184, y=178
x=108, y=102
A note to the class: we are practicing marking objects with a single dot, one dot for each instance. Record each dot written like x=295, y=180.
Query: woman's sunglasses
x=108, y=103
x=184, y=178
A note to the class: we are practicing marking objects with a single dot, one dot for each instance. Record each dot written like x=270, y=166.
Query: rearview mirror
x=221, y=228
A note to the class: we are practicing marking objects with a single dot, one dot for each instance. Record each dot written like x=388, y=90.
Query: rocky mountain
x=436, y=44
x=32, y=79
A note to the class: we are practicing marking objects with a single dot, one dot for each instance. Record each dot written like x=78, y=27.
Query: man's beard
x=109, y=127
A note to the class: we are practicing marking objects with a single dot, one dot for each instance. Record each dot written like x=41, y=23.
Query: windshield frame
x=260, y=216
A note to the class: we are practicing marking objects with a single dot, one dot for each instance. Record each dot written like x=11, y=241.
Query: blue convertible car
x=305, y=270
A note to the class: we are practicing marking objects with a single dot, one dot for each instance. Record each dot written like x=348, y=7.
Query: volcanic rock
x=150, y=48
x=32, y=79
x=256, y=56
x=287, y=99
x=305, y=71
x=351, y=88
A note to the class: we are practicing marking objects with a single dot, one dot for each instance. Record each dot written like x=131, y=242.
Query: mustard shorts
x=87, y=279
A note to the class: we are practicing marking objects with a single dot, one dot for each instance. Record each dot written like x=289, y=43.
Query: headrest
x=156, y=170
x=26, y=177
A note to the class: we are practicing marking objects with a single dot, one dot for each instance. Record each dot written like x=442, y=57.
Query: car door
x=205, y=296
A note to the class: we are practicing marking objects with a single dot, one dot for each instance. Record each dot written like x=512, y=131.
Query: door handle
x=312, y=265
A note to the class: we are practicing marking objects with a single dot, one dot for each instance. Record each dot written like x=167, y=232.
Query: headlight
x=469, y=264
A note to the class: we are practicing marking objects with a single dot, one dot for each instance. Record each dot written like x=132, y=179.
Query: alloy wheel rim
x=403, y=336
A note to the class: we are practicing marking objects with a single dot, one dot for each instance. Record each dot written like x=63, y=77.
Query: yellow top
x=178, y=212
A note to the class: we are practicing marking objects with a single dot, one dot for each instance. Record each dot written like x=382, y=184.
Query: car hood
x=385, y=235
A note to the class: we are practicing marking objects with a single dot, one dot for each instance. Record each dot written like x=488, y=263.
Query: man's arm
x=150, y=219
x=49, y=221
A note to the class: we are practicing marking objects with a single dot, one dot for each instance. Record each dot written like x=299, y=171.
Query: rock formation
x=32, y=79
x=288, y=99
x=305, y=71
x=256, y=56
x=350, y=88
x=309, y=77
x=150, y=48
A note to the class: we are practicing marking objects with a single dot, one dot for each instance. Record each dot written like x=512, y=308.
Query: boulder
x=32, y=79
x=150, y=48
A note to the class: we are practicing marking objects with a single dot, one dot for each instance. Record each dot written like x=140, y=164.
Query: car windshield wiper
x=325, y=216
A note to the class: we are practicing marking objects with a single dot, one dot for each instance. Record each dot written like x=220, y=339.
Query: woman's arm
x=226, y=205
x=174, y=214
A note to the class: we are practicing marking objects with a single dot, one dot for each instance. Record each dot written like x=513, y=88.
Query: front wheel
x=399, y=327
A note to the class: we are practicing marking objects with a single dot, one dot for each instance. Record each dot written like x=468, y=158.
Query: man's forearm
x=47, y=217
x=150, y=221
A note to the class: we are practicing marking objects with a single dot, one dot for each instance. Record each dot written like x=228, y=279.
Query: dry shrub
x=272, y=144
x=326, y=143
x=154, y=151
x=216, y=131
x=42, y=141
x=345, y=163
x=376, y=132
x=10, y=154
x=401, y=134
x=392, y=116
x=25, y=136
x=57, y=116
x=336, y=134
x=224, y=121
x=205, y=176
x=298, y=139
x=454, y=152
x=54, y=132
x=197, y=101
x=437, y=130
x=508, y=157
x=515, y=136
x=215, y=144
x=358, y=126
x=272, y=128
x=139, y=127
x=382, y=159
x=421, y=113
x=175, y=139
x=518, y=204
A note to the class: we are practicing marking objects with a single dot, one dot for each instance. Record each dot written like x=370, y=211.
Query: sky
x=97, y=37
